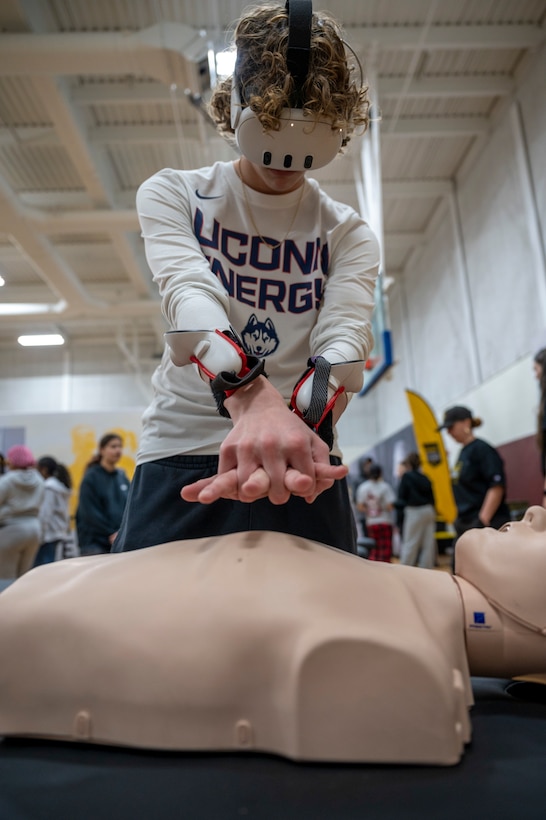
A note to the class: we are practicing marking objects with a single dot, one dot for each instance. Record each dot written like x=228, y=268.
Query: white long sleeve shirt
x=313, y=295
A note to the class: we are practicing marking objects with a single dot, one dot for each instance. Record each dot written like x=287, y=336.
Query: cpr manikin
x=263, y=641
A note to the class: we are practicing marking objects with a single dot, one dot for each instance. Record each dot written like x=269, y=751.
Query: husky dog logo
x=260, y=338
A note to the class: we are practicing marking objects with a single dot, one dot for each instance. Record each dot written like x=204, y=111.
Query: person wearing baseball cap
x=457, y=413
x=478, y=476
x=21, y=494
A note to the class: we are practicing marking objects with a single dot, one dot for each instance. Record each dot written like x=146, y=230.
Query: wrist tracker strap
x=318, y=414
x=226, y=382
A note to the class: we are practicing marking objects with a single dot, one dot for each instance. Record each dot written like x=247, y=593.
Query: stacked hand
x=269, y=453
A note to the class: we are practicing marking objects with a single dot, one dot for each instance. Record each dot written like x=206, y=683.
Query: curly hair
x=330, y=90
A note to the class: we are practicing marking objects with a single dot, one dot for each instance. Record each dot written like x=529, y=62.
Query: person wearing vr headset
x=267, y=285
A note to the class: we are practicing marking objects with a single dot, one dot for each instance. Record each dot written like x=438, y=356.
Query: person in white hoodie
x=21, y=494
x=54, y=511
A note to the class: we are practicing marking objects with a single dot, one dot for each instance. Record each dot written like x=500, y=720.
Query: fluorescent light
x=23, y=308
x=225, y=63
x=41, y=340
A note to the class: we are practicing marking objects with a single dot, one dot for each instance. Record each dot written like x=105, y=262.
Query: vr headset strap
x=300, y=14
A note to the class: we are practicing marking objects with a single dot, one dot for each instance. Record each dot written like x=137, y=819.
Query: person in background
x=415, y=501
x=539, y=364
x=375, y=499
x=479, y=481
x=258, y=268
x=364, y=465
x=2, y=464
x=54, y=511
x=102, y=498
x=21, y=495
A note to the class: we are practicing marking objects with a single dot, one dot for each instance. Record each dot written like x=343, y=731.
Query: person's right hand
x=210, y=489
x=270, y=452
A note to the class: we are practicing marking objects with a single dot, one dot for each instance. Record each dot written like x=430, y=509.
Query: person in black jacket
x=103, y=494
x=479, y=481
x=417, y=515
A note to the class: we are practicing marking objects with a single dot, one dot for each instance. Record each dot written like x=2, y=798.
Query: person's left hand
x=258, y=485
x=270, y=452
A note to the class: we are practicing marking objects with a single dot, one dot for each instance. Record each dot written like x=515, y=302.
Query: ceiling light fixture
x=41, y=340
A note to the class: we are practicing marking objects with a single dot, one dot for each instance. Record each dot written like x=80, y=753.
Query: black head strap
x=300, y=14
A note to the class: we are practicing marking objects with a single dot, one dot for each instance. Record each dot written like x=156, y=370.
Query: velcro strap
x=226, y=383
x=318, y=414
x=319, y=396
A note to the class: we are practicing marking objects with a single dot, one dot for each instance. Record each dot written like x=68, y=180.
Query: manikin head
x=499, y=562
x=523, y=538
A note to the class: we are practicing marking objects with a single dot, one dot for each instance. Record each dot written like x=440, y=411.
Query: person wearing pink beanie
x=21, y=494
x=20, y=457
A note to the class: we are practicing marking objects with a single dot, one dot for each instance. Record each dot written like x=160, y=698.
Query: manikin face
x=521, y=538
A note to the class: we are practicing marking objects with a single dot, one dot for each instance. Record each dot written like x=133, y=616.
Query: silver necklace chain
x=247, y=203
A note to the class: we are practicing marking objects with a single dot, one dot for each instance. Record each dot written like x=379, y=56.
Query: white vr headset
x=302, y=143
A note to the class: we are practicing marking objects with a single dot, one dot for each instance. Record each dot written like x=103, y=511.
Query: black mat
x=502, y=776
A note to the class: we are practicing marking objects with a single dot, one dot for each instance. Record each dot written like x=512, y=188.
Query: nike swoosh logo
x=202, y=196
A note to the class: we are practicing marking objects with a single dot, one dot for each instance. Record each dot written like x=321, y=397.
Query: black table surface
x=501, y=776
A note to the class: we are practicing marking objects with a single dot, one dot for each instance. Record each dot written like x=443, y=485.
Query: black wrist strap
x=227, y=382
x=319, y=413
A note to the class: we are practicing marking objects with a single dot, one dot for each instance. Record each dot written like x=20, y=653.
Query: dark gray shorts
x=155, y=512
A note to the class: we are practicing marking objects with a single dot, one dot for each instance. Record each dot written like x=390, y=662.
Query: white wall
x=468, y=314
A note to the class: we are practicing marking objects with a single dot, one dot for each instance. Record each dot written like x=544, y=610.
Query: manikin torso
x=250, y=641
x=262, y=641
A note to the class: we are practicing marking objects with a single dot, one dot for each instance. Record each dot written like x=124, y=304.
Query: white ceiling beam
x=53, y=201
x=409, y=126
x=435, y=127
x=459, y=87
x=135, y=134
x=68, y=223
x=105, y=135
x=121, y=93
x=96, y=175
x=167, y=51
x=70, y=129
x=106, y=221
x=30, y=135
x=459, y=37
x=124, y=93
x=42, y=256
